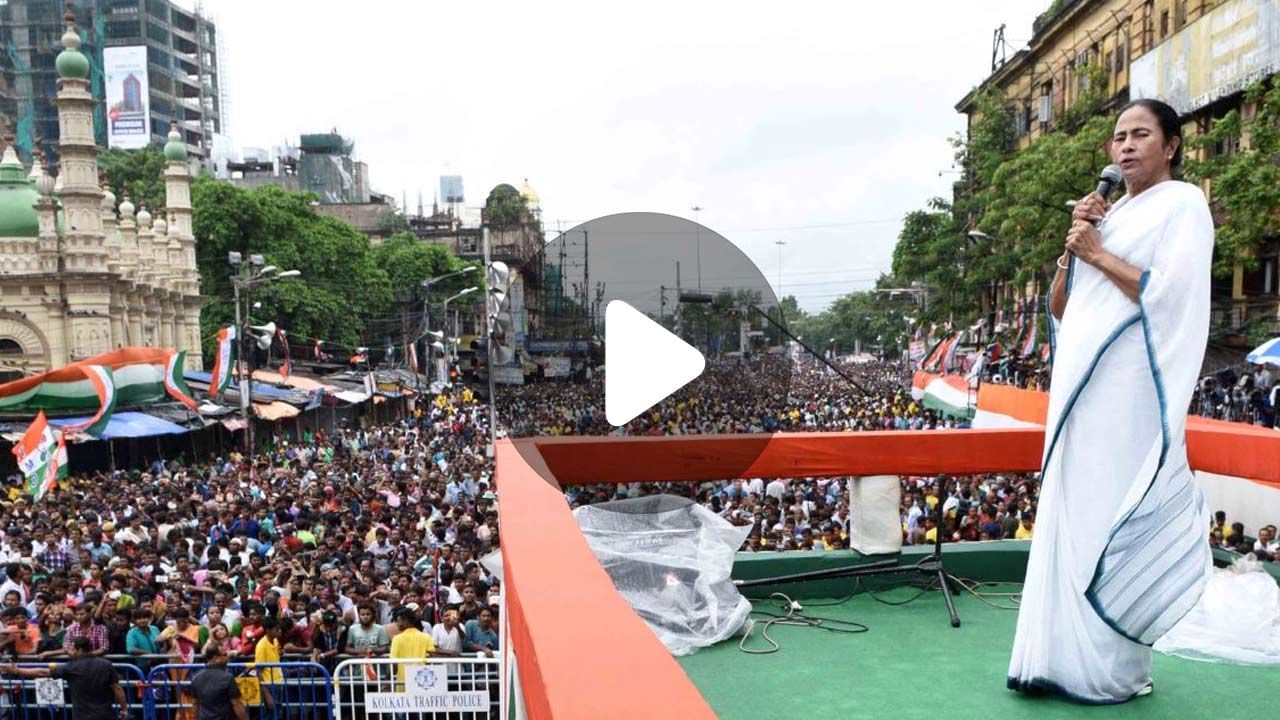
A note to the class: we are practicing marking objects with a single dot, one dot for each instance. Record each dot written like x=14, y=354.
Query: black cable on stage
x=793, y=616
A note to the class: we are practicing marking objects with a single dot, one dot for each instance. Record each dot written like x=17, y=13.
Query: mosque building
x=81, y=274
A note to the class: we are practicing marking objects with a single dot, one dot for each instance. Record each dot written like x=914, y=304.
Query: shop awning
x=297, y=381
x=124, y=425
x=275, y=410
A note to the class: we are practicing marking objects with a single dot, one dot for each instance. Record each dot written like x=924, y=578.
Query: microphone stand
x=931, y=566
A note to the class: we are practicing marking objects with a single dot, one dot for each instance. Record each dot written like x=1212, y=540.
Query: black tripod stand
x=930, y=566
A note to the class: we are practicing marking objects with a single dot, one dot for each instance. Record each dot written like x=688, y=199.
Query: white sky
x=774, y=117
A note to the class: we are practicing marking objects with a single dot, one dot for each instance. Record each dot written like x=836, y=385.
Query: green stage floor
x=913, y=664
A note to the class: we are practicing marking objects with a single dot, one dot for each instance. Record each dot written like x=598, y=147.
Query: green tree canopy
x=407, y=261
x=504, y=206
x=136, y=173
x=341, y=290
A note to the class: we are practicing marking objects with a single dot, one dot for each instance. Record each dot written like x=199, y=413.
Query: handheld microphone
x=1108, y=180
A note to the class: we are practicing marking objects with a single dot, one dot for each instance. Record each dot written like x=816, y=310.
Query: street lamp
x=455, y=296
x=248, y=276
x=698, y=234
x=780, y=243
x=426, y=304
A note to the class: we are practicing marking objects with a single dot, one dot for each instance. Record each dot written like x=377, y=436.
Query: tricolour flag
x=949, y=359
x=42, y=456
x=176, y=385
x=103, y=382
x=221, y=376
x=413, y=355
x=934, y=358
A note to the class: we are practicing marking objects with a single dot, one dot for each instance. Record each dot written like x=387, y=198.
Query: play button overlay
x=637, y=326
x=644, y=363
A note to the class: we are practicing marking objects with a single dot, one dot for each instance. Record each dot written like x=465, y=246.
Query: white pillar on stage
x=875, y=525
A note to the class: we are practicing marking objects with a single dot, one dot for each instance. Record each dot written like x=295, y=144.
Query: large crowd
x=368, y=539
x=362, y=541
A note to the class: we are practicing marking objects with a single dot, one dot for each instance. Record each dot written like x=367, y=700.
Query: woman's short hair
x=1170, y=123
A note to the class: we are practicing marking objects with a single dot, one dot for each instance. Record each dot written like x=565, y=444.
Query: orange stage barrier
x=584, y=654
x=1225, y=448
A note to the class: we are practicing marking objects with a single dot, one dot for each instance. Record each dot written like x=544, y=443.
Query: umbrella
x=1268, y=353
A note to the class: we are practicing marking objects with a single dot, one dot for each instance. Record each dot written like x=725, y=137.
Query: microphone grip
x=1105, y=187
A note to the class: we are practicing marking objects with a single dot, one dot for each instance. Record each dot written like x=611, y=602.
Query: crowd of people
x=358, y=542
x=773, y=393
x=368, y=540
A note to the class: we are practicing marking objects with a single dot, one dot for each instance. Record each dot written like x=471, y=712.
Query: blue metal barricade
x=271, y=691
x=19, y=699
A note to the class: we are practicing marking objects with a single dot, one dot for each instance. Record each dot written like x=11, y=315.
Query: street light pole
x=780, y=243
x=426, y=307
x=247, y=278
x=445, y=318
x=697, y=209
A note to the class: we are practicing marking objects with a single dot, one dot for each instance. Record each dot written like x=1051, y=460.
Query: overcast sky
x=809, y=122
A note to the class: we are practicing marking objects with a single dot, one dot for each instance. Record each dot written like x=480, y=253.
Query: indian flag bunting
x=949, y=359
x=42, y=456
x=947, y=394
x=287, y=366
x=175, y=385
x=934, y=358
x=103, y=382
x=221, y=375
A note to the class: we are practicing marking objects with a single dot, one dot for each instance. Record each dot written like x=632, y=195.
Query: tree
x=1028, y=214
x=504, y=207
x=136, y=173
x=407, y=261
x=341, y=290
x=1244, y=184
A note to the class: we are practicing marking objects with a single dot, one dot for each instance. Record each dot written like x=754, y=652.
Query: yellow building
x=1197, y=55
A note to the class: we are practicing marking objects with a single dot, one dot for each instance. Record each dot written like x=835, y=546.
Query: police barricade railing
x=24, y=698
x=435, y=688
x=272, y=691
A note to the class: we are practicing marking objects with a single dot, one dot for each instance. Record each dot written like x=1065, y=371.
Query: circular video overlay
x=640, y=324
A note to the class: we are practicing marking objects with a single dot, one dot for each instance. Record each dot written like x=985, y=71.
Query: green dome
x=72, y=64
x=18, y=197
x=175, y=150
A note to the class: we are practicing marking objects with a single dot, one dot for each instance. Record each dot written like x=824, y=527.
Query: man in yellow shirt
x=410, y=643
x=267, y=652
x=1027, y=528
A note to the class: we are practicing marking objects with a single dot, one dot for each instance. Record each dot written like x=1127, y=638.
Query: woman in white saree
x=1120, y=551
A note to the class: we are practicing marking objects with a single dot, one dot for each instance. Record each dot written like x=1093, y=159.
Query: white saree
x=1120, y=551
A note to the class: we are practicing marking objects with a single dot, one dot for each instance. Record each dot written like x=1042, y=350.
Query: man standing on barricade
x=92, y=683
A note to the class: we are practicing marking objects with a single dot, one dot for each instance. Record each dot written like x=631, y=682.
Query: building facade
x=183, y=91
x=1198, y=55
x=80, y=274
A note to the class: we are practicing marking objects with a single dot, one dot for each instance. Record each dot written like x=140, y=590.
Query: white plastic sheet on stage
x=1237, y=619
x=671, y=559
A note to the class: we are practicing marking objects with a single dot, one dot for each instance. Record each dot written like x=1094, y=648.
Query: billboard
x=128, y=97
x=1222, y=53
